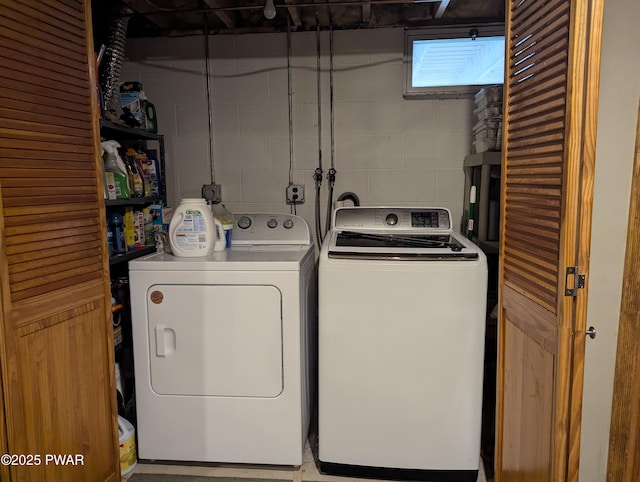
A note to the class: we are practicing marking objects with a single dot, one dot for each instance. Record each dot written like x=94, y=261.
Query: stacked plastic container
x=487, y=133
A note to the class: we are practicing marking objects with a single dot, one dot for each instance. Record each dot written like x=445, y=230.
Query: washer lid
x=397, y=233
x=399, y=246
x=236, y=258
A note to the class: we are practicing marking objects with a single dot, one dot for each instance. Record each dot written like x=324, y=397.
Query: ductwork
x=111, y=64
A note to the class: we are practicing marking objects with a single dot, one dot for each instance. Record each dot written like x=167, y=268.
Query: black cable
x=317, y=176
x=331, y=174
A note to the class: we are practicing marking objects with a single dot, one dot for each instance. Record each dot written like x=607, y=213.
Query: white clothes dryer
x=402, y=309
x=224, y=347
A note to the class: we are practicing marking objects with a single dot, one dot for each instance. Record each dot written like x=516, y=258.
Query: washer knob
x=391, y=219
x=288, y=223
x=272, y=223
x=244, y=222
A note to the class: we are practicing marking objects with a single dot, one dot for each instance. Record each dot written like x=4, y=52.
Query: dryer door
x=215, y=340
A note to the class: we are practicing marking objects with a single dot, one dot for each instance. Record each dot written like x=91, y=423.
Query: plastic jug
x=222, y=214
x=151, y=117
x=127, y=434
x=192, y=231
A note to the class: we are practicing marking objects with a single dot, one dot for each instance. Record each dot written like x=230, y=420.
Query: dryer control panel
x=269, y=228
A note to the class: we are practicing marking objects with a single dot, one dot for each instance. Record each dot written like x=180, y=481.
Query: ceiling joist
x=227, y=17
x=154, y=18
x=366, y=13
x=441, y=8
x=294, y=13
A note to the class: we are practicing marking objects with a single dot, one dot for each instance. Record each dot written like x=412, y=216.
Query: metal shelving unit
x=479, y=169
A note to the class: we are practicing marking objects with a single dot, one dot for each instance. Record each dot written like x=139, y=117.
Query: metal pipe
x=319, y=86
x=209, y=109
x=290, y=100
x=331, y=94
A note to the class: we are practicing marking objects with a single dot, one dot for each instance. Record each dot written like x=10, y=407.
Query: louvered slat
x=47, y=152
x=11, y=32
x=33, y=265
x=66, y=26
x=44, y=30
x=22, y=83
x=53, y=252
x=49, y=71
x=538, y=52
x=541, y=14
x=544, y=39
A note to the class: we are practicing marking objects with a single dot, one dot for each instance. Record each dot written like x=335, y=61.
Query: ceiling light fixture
x=269, y=9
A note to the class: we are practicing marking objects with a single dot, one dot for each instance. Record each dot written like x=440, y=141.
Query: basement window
x=453, y=61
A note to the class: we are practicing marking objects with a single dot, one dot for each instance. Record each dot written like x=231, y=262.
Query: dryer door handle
x=165, y=341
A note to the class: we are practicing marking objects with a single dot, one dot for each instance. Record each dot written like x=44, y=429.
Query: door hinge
x=577, y=279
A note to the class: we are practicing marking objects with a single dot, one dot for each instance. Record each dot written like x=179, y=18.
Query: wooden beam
x=164, y=22
x=227, y=17
x=324, y=15
x=294, y=12
x=443, y=6
x=366, y=13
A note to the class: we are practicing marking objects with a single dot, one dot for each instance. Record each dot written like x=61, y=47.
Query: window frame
x=439, y=33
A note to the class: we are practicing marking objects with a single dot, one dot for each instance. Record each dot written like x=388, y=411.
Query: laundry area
x=317, y=241
x=377, y=349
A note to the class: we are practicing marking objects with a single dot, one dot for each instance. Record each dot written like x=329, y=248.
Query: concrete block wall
x=388, y=150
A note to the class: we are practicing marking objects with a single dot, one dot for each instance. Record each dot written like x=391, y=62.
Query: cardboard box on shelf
x=138, y=229
x=129, y=228
x=161, y=216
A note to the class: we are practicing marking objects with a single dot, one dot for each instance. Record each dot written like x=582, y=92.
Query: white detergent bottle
x=192, y=231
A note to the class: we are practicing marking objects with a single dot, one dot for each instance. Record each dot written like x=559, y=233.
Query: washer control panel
x=269, y=228
x=392, y=218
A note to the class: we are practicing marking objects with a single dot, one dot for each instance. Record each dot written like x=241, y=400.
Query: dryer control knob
x=272, y=223
x=244, y=222
x=288, y=223
x=391, y=219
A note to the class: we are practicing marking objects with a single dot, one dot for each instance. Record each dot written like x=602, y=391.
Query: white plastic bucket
x=192, y=231
x=128, y=457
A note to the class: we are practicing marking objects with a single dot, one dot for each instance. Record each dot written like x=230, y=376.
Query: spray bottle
x=114, y=163
x=135, y=177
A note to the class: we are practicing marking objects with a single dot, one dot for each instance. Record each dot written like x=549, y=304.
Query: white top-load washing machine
x=224, y=347
x=402, y=310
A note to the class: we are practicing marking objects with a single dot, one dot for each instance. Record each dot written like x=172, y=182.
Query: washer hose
x=318, y=223
x=352, y=196
x=329, y=209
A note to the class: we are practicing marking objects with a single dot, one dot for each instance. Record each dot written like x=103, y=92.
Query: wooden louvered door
x=56, y=351
x=553, y=57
